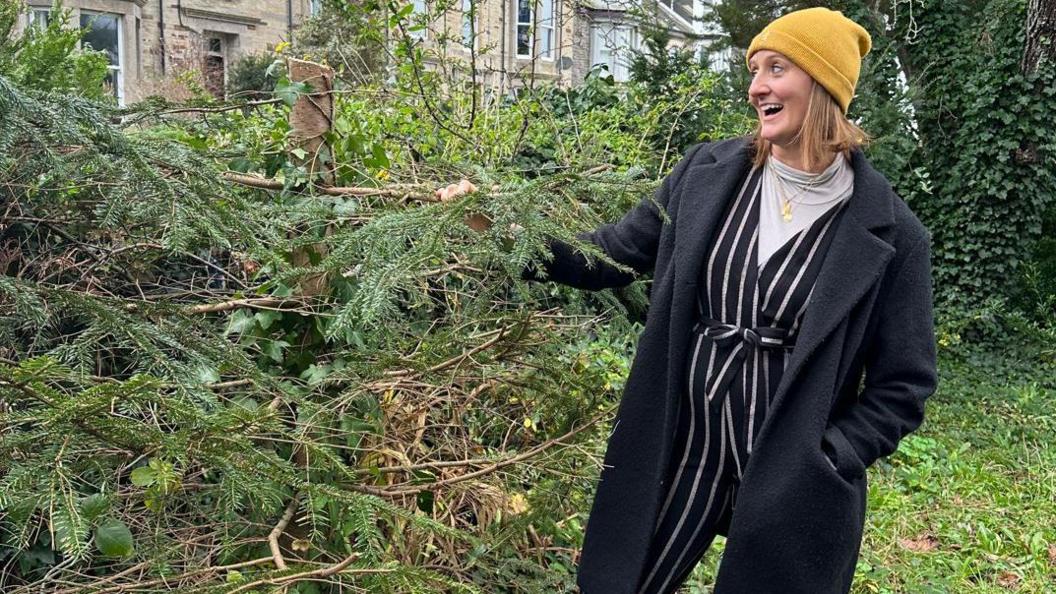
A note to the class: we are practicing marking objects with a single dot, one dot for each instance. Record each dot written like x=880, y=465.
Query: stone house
x=513, y=40
x=149, y=40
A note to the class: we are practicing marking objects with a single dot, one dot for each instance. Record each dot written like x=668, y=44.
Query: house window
x=720, y=59
x=214, y=67
x=546, y=29
x=611, y=44
x=39, y=17
x=103, y=33
x=524, y=28
x=526, y=38
x=468, y=25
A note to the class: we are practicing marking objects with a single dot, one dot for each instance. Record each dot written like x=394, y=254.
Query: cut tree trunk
x=312, y=116
x=311, y=119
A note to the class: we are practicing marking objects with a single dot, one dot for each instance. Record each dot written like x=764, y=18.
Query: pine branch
x=274, y=184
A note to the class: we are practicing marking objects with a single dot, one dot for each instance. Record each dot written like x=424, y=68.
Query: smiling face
x=780, y=93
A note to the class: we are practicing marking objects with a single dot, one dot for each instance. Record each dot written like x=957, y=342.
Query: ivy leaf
x=290, y=91
x=316, y=373
x=94, y=506
x=273, y=349
x=245, y=403
x=239, y=322
x=113, y=538
x=265, y=318
x=143, y=476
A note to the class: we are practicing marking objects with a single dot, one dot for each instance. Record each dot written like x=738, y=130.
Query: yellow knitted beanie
x=824, y=43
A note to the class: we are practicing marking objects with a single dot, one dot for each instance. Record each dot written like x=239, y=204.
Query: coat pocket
x=841, y=455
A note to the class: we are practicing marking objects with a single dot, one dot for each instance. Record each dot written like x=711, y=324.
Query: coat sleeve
x=900, y=371
x=632, y=241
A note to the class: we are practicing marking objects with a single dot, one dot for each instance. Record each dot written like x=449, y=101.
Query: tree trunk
x=1041, y=35
x=311, y=119
x=312, y=116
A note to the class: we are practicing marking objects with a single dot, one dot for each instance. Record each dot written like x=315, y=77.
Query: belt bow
x=759, y=336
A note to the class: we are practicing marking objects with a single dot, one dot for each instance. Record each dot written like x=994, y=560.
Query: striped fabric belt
x=766, y=337
x=729, y=334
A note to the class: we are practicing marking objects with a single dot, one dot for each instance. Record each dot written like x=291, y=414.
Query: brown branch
x=265, y=183
x=276, y=532
x=307, y=575
x=221, y=109
x=499, y=333
x=598, y=169
x=235, y=304
x=230, y=384
x=473, y=351
x=166, y=580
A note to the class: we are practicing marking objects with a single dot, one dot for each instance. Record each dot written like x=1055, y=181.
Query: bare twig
x=174, y=579
x=307, y=575
x=235, y=304
x=276, y=532
x=265, y=183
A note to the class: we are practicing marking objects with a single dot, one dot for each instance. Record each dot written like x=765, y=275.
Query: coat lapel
x=705, y=191
x=854, y=263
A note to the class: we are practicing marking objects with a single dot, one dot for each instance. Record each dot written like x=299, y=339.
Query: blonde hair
x=825, y=131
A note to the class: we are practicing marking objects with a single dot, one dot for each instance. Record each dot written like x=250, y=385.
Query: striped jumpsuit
x=748, y=317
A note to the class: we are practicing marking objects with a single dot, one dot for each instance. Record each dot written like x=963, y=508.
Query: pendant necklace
x=786, y=203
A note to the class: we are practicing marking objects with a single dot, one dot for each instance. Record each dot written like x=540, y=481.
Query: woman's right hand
x=477, y=222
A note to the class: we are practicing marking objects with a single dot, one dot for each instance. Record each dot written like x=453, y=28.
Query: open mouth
x=770, y=109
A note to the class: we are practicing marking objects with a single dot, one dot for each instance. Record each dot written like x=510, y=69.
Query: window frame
x=548, y=52
x=33, y=17
x=422, y=33
x=535, y=27
x=602, y=30
x=517, y=24
x=119, y=77
x=209, y=52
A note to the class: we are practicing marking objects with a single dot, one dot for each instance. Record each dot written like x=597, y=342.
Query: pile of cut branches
x=212, y=382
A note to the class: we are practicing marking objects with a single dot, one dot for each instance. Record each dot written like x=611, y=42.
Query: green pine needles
x=206, y=386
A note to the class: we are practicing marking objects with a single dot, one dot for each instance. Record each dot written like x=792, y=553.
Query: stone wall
x=496, y=61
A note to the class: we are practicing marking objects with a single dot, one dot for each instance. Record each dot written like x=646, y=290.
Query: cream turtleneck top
x=809, y=202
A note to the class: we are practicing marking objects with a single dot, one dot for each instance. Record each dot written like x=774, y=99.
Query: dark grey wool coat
x=797, y=526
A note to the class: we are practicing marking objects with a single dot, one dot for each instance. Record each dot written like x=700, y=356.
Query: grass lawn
x=968, y=503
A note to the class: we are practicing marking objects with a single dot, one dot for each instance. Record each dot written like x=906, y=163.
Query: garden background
x=232, y=360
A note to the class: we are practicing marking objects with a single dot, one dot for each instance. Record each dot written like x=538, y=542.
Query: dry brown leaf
x=921, y=544
x=1007, y=579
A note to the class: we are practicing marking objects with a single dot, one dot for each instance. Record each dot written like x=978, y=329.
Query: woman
x=789, y=273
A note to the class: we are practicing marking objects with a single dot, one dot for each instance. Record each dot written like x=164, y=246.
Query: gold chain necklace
x=786, y=203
